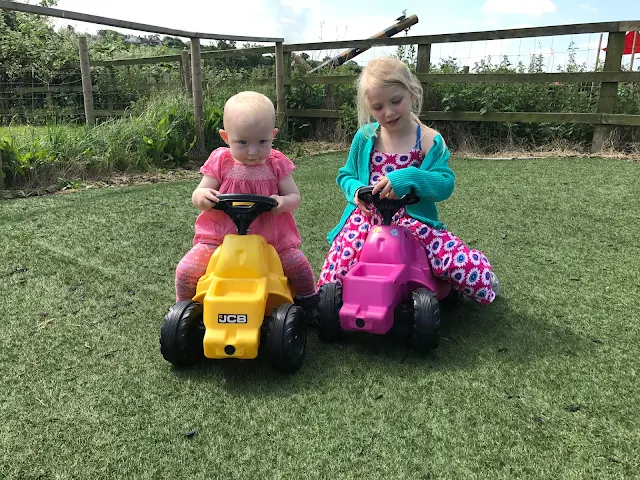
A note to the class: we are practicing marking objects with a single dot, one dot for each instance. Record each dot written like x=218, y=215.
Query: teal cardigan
x=432, y=181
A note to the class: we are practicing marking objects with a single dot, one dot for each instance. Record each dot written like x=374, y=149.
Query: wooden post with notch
x=423, y=64
x=608, y=90
x=280, y=103
x=85, y=72
x=287, y=74
x=185, y=68
x=198, y=97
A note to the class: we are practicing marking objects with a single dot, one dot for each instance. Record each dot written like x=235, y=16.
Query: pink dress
x=235, y=177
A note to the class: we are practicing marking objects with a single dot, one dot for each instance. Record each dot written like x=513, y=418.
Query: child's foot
x=310, y=306
x=495, y=284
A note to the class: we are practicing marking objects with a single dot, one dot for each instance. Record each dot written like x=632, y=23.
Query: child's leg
x=467, y=269
x=298, y=270
x=191, y=268
x=346, y=248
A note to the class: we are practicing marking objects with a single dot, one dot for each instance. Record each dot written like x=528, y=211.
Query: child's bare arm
x=288, y=197
x=204, y=196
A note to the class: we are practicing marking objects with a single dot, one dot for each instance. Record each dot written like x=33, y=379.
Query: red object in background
x=628, y=42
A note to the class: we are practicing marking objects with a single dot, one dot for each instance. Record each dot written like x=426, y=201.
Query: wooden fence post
x=198, y=97
x=185, y=68
x=287, y=73
x=87, y=91
x=422, y=66
x=112, y=90
x=280, y=103
x=608, y=90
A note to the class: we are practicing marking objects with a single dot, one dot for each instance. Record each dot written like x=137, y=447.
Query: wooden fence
x=608, y=79
x=603, y=119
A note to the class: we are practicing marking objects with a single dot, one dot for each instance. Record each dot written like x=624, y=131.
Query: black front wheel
x=286, y=337
x=328, y=312
x=182, y=334
x=426, y=321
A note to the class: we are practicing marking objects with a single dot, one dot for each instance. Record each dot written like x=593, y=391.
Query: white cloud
x=259, y=18
x=586, y=6
x=299, y=6
x=532, y=8
x=493, y=23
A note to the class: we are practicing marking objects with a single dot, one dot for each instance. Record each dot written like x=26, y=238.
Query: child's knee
x=297, y=269
x=184, y=274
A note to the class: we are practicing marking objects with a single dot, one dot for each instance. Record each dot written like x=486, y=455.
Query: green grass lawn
x=541, y=384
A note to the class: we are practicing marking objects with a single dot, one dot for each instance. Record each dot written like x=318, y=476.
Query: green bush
x=12, y=168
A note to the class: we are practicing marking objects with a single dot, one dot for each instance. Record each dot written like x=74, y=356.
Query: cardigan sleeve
x=347, y=178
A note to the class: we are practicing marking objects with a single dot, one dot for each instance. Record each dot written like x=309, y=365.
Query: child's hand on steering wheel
x=362, y=205
x=205, y=198
x=385, y=188
x=278, y=209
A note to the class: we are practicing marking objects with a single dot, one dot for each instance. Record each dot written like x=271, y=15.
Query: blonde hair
x=249, y=106
x=386, y=72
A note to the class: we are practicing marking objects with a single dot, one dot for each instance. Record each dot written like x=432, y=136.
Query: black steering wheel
x=386, y=206
x=243, y=209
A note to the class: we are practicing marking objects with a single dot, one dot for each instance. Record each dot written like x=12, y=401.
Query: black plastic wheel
x=403, y=321
x=328, y=312
x=286, y=337
x=182, y=334
x=426, y=320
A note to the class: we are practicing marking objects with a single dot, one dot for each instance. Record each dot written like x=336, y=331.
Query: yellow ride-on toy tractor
x=242, y=302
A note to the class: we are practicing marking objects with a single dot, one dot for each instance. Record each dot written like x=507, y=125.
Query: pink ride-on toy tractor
x=392, y=284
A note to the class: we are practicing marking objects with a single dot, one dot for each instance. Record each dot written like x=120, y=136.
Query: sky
x=326, y=20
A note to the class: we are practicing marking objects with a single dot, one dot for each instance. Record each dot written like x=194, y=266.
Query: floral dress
x=466, y=269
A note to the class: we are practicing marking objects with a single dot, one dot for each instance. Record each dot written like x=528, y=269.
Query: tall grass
x=155, y=133
x=159, y=133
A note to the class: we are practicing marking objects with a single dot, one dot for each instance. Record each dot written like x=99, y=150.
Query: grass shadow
x=470, y=333
x=257, y=378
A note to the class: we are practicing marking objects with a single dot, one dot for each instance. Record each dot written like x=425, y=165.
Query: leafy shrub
x=12, y=168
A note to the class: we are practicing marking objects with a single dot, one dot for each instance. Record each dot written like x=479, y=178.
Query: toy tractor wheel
x=328, y=312
x=182, y=334
x=426, y=320
x=286, y=337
